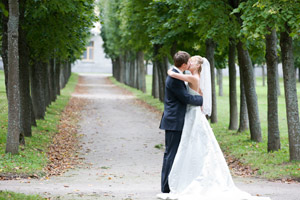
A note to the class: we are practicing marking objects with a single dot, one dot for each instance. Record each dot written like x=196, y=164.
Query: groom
x=176, y=99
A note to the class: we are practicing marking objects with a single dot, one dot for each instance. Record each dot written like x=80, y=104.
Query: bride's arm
x=184, y=77
x=200, y=91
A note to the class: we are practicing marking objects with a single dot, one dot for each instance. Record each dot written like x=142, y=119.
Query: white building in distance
x=93, y=59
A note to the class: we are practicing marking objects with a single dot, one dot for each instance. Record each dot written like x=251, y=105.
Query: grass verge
x=4, y=195
x=32, y=157
x=274, y=165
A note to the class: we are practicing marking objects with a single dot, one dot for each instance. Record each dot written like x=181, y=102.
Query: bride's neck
x=195, y=72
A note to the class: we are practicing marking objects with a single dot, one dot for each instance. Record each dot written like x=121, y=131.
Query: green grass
x=270, y=165
x=159, y=146
x=32, y=157
x=3, y=101
x=18, y=196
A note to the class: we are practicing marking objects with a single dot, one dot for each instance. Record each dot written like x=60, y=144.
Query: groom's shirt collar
x=180, y=72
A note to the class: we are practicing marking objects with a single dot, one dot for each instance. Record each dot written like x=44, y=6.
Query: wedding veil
x=205, y=86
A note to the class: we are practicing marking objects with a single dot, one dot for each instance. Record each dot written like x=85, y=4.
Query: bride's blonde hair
x=198, y=61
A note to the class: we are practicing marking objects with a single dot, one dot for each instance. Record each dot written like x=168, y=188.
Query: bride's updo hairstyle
x=198, y=60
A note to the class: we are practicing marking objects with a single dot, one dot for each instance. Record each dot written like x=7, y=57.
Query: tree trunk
x=66, y=73
x=70, y=70
x=57, y=74
x=146, y=67
x=159, y=64
x=166, y=66
x=133, y=63
x=116, y=67
x=220, y=81
x=299, y=74
x=173, y=49
x=61, y=75
x=114, y=64
x=251, y=97
x=119, y=60
x=163, y=70
x=155, y=84
x=113, y=67
x=244, y=122
x=233, y=124
x=263, y=75
x=128, y=70
x=210, y=51
x=141, y=71
x=161, y=79
x=25, y=100
x=54, y=66
x=45, y=83
x=122, y=69
x=32, y=114
x=136, y=64
x=4, y=52
x=13, y=85
x=272, y=71
x=52, y=79
x=290, y=90
x=37, y=90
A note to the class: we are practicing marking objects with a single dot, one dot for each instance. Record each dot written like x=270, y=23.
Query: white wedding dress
x=199, y=171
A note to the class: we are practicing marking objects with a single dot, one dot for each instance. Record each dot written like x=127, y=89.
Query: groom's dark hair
x=180, y=58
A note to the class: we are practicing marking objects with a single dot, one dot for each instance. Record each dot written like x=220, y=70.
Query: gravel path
x=121, y=162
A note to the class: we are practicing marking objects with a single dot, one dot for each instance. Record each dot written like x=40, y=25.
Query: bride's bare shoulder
x=196, y=79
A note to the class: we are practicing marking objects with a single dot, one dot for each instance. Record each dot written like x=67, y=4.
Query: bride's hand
x=200, y=92
x=170, y=72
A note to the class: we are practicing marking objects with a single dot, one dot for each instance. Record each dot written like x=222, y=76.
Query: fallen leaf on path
x=63, y=152
x=238, y=168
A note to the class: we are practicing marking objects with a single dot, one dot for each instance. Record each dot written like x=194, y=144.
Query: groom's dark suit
x=176, y=99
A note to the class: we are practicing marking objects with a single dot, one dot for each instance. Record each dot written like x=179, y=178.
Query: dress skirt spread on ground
x=199, y=171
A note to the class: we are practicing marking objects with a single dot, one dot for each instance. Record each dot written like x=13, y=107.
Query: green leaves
x=258, y=16
x=3, y=9
x=58, y=28
x=110, y=30
x=137, y=25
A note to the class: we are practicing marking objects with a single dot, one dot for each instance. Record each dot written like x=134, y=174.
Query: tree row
x=40, y=40
x=226, y=32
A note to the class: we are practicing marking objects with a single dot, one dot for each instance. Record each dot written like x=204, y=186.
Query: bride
x=199, y=171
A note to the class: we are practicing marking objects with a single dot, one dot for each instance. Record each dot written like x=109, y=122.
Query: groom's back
x=174, y=109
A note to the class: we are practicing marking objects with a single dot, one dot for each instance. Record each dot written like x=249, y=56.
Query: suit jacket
x=175, y=101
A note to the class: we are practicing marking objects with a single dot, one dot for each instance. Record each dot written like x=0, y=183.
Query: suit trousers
x=172, y=140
